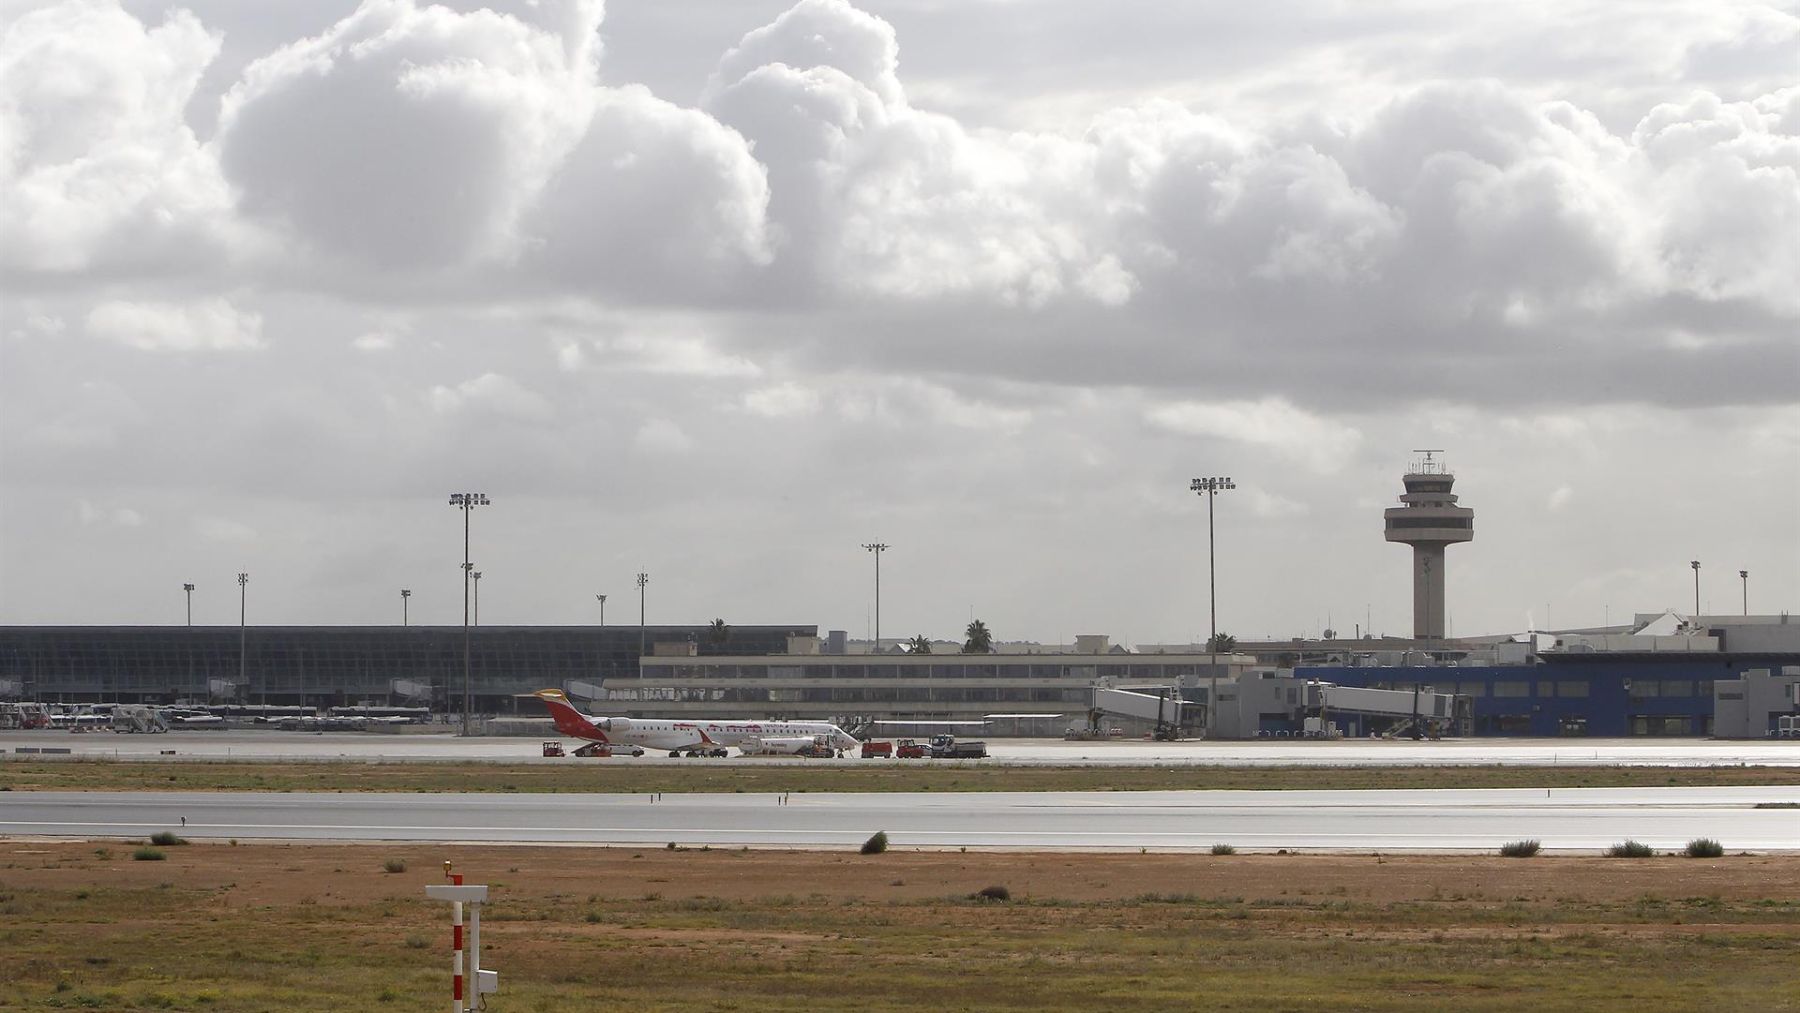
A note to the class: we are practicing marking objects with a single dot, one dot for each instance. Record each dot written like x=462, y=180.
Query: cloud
x=203, y=325
x=91, y=515
x=221, y=529
x=783, y=400
x=1320, y=443
x=97, y=162
x=668, y=350
x=408, y=137
x=653, y=199
x=375, y=341
x=870, y=195
x=662, y=436
x=492, y=395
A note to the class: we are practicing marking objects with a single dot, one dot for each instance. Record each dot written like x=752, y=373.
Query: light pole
x=1210, y=488
x=878, y=548
x=1696, y=565
x=405, y=598
x=602, y=600
x=1744, y=575
x=189, y=588
x=642, y=579
x=466, y=501
x=476, y=576
x=243, y=678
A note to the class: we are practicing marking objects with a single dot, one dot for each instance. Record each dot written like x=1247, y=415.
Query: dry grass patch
x=271, y=927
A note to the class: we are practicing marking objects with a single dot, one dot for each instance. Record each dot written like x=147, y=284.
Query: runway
x=1456, y=820
x=269, y=744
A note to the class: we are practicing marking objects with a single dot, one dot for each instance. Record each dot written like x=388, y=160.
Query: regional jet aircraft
x=695, y=737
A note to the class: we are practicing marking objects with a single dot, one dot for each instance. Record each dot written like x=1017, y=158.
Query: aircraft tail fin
x=568, y=720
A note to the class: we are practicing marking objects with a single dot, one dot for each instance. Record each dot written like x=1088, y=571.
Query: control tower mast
x=1428, y=519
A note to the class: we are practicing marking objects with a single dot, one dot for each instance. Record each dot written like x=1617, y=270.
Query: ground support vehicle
x=949, y=747
x=553, y=748
x=877, y=749
x=607, y=749
x=907, y=749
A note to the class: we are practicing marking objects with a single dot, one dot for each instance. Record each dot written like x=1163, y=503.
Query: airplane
x=696, y=737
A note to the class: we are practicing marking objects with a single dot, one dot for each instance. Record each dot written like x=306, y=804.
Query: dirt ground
x=276, y=927
x=285, y=874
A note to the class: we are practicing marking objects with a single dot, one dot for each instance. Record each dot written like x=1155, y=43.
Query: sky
x=721, y=291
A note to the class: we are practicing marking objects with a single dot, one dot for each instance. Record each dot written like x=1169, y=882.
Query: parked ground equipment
x=949, y=747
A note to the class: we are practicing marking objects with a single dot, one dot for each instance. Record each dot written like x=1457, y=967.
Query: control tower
x=1429, y=519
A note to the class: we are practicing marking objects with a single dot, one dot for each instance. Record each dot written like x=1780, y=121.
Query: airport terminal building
x=1661, y=676
x=323, y=666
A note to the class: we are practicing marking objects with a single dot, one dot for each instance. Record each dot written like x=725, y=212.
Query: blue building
x=1608, y=696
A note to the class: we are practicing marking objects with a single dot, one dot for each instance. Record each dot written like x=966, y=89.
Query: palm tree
x=718, y=633
x=980, y=640
x=1221, y=643
x=918, y=645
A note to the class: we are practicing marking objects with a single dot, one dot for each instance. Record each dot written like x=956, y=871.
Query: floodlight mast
x=189, y=588
x=1210, y=488
x=1696, y=565
x=467, y=501
x=877, y=548
x=405, y=602
x=243, y=679
x=642, y=580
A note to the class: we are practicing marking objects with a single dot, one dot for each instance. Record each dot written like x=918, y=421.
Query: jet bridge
x=138, y=718
x=1422, y=711
x=1162, y=707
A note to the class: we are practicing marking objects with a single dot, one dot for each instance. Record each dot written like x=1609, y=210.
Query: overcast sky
x=722, y=290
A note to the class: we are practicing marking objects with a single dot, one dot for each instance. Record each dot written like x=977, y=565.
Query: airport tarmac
x=270, y=744
x=1578, y=819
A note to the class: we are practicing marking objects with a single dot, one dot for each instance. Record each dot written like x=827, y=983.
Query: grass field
x=623, y=776
x=216, y=927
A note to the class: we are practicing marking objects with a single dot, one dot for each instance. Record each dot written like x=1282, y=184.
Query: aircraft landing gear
x=673, y=753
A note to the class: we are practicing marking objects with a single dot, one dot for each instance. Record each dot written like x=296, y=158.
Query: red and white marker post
x=462, y=998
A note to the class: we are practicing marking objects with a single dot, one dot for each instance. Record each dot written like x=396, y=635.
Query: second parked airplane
x=694, y=737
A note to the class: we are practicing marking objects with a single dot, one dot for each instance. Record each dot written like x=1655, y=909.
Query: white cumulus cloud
x=203, y=325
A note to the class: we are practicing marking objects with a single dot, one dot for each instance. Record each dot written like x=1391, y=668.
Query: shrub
x=1705, y=847
x=1630, y=849
x=1223, y=849
x=993, y=893
x=394, y=865
x=166, y=838
x=876, y=844
x=1519, y=849
x=147, y=855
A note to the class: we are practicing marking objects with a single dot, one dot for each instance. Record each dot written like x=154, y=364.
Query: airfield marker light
x=461, y=999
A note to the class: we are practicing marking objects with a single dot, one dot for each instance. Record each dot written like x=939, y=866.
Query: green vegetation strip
x=704, y=776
